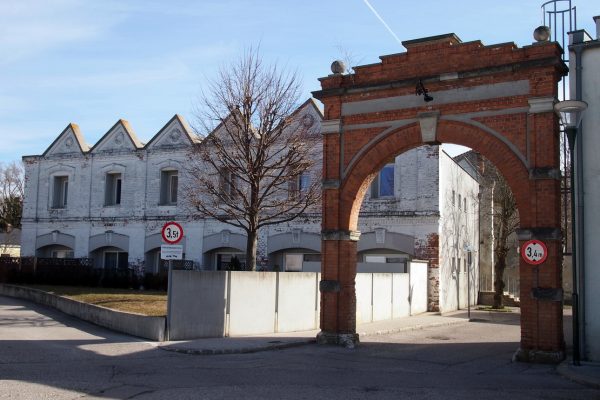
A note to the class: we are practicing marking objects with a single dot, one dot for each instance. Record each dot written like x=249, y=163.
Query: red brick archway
x=497, y=100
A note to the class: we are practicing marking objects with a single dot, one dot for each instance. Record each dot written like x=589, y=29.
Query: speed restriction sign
x=534, y=252
x=172, y=233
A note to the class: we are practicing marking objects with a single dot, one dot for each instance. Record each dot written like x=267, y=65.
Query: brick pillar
x=541, y=301
x=338, y=290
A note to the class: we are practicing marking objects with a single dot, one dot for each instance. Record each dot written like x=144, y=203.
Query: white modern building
x=109, y=202
x=584, y=75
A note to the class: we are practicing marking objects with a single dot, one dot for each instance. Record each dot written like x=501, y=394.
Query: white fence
x=216, y=304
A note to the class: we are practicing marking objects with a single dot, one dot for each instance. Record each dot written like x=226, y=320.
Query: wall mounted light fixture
x=420, y=90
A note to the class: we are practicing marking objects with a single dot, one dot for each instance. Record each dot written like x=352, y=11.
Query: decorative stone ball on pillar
x=541, y=34
x=338, y=67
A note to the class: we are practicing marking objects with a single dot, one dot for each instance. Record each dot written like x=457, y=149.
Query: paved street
x=47, y=355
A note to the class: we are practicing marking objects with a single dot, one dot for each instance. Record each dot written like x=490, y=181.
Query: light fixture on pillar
x=570, y=113
x=420, y=90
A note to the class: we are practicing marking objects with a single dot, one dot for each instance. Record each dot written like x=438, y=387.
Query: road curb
x=412, y=328
x=295, y=343
x=569, y=371
x=240, y=350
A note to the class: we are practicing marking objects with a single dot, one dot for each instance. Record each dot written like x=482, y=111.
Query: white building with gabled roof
x=109, y=202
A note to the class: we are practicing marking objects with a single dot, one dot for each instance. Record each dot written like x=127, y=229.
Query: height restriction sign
x=534, y=252
x=172, y=233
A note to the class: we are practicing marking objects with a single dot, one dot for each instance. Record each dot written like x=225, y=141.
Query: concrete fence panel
x=252, y=297
x=364, y=298
x=198, y=306
x=382, y=296
x=298, y=299
x=418, y=287
x=400, y=292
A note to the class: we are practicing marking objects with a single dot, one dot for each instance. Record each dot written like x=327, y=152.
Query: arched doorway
x=497, y=100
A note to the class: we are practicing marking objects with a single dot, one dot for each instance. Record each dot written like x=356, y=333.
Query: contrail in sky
x=382, y=21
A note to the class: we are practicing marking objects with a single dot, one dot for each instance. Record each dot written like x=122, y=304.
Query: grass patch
x=490, y=308
x=151, y=303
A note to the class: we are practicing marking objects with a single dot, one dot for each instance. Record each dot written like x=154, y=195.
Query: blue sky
x=93, y=62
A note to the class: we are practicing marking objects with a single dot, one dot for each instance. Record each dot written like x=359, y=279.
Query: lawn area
x=153, y=303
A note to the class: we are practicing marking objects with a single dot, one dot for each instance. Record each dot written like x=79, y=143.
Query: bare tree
x=505, y=223
x=11, y=195
x=258, y=164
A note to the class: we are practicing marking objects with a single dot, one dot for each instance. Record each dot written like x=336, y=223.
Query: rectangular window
x=465, y=203
x=113, y=189
x=169, y=181
x=116, y=259
x=227, y=181
x=298, y=185
x=293, y=262
x=375, y=259
x=61, y=254
x=60, y=191
x=453, y=198
x=383, y=184
x=459, y=202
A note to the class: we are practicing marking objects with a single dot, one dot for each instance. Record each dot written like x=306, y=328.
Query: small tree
x=257, y=166
x=11, y=195
x=506, y=222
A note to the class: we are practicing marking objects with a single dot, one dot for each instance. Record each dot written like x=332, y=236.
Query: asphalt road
x=47, y=355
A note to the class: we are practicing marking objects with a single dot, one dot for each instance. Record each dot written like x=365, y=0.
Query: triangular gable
x=120, y=137
x=308, y=116
x=314, y=107
x=175, y=133
x=308, y=113
x=70, y=141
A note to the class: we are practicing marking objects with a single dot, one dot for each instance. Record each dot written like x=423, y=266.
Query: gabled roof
x=117, y=136
x=70, y=140
x=310, y=101
x=171, y=132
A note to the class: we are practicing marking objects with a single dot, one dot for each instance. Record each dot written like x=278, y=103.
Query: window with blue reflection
x=386, y=181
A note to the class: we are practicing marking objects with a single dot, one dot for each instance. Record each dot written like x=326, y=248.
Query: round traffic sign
x=172, y=232
x=534, y=252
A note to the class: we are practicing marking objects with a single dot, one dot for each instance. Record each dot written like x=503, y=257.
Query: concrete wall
x=418, y=287
x=220, y=303
x=198, y=306
x=152, y=328
x=588, y=138
x=252, y=303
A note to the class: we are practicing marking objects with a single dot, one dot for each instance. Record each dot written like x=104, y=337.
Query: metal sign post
x=172, y=233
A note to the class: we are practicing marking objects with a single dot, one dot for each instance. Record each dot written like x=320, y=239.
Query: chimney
x=597, y=21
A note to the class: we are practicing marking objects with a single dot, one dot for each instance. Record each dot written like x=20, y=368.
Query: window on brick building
x=60, y=191
x=113, y=189
x=383, y=184
x=169, y=182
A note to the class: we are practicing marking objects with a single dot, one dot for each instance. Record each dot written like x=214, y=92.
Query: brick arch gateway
x=497, y=100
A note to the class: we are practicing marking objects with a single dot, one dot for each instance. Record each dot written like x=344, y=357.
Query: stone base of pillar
x=539, y=356
x=347, y=340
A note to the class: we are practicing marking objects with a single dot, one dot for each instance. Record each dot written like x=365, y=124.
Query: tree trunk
x=499, y=267
x=251, y=246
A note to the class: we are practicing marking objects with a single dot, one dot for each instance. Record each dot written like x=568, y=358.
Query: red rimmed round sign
x=534, y=252
x=172, y=233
